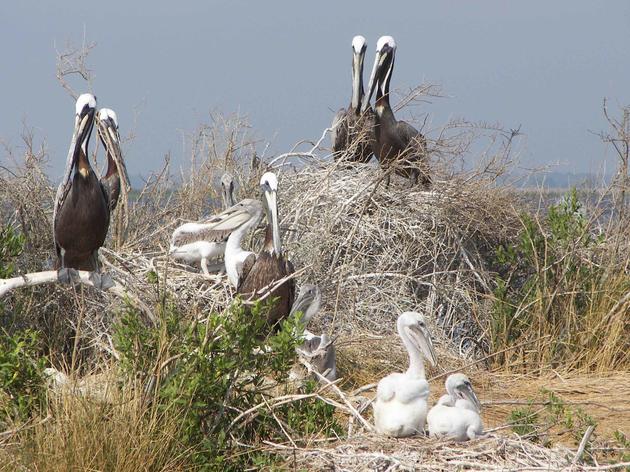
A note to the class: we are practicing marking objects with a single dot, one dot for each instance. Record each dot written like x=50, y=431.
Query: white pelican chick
x=400, y=406
x=201, y=242
x=456, y=414
x=319, y=351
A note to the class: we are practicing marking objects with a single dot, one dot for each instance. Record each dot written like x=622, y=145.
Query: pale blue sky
x=545, y=65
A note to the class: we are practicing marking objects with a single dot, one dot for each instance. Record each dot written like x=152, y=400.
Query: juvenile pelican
x=318, y=350
x=262, y=272
x=108, y=132
x=396, y=142
x=400, y=407
x=239, y=220
x=456, y=414
x=81, y=210
x=227, y=190
x=352, y=131
x=202, y=242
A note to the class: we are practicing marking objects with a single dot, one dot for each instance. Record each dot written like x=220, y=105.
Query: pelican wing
x=410, y=136
x=65, y=185
x=409, y=390
x=386, y=388
x=289, y=269
x=339, y=131
x=216, y=228
x=194, y=232
x=244, y=268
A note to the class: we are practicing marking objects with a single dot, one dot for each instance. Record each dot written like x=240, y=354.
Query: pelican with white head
x=400, y=406
x=456, y=414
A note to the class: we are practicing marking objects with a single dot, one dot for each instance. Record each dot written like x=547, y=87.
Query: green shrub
x=11, y=247
x=21, y=376
x=207, y=372
x=556, y=295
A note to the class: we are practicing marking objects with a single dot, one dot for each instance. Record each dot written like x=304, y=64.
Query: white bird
x=400, y=406
x=201, y=242
x=236, y=221
x=319, y=351
x=456, y=414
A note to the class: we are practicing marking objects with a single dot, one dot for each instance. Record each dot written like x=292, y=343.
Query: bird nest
x=375, y=453
x=378, y=250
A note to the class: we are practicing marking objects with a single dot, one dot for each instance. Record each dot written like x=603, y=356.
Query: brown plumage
x=397, y=143
x=352, y=133
x=264, y=270
x=261, y=272
x=81, y=212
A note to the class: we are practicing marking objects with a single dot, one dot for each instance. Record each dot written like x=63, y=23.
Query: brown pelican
x=261, y=273
x=81, y=211
x=202, y=242
x=108, y=132
x=396, y=142
x=456, y=414
x=318, y=350
x=352, y=131
x=400, y=406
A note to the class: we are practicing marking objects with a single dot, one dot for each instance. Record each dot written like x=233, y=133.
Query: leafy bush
x=21, y=376
x=208, y=372
x=557, y=295
x=555, y=413
x=11, y=246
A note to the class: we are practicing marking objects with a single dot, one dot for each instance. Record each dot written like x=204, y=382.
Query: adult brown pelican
x=318, y=350
x=397, y=143
x=202, y=241
x=108, y=132
x=81, y=211
x=352, y=130
x=261, y=273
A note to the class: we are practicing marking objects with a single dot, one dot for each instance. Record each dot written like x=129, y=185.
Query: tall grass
x=563, y=295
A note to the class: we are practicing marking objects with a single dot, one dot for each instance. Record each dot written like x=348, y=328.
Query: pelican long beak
x=372, y=82
x=421, y=337
x=110, y=137
x=467, y=392
x=227, y=193
x=83, y=125
x=272, y=217
x=357, y=78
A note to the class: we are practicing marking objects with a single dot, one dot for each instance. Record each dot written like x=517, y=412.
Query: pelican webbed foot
x=101, y=281
x=68, y=276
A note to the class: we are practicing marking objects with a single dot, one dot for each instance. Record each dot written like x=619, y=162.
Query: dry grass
x=80, y=433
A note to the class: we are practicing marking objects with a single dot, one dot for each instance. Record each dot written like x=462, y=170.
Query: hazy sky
x=545, y=65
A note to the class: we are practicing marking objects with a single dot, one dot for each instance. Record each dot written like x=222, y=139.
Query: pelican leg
x=96, y=264
x=67, y=276
x=204, y=266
